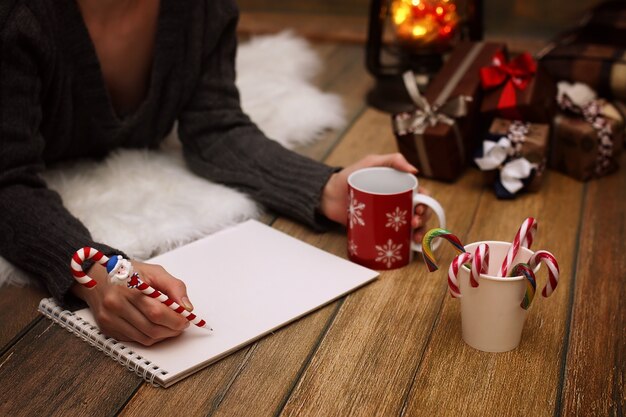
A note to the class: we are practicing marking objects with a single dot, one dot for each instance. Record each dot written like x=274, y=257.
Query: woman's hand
x=127, y=314
x=334, y=204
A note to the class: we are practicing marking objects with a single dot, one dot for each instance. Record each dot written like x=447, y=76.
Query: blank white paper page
x=245, y=281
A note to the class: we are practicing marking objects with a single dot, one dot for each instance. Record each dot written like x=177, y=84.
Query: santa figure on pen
x=120, y=269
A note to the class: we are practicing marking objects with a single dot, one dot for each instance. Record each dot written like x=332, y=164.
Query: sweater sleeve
x=222, y=144
x=37, y=233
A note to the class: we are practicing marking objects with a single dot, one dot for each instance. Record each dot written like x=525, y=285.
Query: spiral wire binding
x=109, y=346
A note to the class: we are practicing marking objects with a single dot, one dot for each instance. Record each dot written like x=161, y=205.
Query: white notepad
x=245, y=281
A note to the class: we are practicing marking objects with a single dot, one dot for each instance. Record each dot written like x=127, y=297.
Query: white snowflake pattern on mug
x=355, y=211
x=389, y=253
x=396, y=219
x=352, y=248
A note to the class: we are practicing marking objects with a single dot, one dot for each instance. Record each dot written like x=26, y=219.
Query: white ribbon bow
x=511, y=173
x=495, y=153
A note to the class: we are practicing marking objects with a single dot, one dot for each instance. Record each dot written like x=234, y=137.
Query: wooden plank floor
x=392, y=348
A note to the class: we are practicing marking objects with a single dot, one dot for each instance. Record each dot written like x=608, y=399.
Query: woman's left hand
x=334, y=204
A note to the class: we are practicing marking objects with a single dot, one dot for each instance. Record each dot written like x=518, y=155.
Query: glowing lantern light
x=424, y=22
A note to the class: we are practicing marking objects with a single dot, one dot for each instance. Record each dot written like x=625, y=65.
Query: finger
x=418, y=235
x=427, y=214
x=399, y=162
x=393, y=160
x=120, y=329
x=173, y=287
x=421, y=220
x=155, y=318
x=417, y=222
x=423, y=211
x=131, y=330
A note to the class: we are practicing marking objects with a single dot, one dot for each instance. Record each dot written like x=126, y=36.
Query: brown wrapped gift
x=603, y=67
x=440, y=143
x=529, y=97
x=577, y=148
x=533, y=146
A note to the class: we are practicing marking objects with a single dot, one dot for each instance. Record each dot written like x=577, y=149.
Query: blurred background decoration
x=422, y=31
x=516, y=22
x=402, y=34
x=424, y=23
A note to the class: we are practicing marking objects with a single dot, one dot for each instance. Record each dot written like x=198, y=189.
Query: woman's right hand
x=127, y=314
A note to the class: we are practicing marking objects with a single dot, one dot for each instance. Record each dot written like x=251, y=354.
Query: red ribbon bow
x=516, y=73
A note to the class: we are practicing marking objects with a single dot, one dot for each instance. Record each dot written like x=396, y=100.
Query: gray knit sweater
x=54, y=107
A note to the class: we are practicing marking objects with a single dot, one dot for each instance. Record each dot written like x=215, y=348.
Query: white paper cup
x=491, y=316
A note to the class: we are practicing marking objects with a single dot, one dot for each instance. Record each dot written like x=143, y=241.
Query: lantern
x=413, y=35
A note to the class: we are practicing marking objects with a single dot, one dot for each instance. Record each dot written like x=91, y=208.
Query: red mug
x=381, y=205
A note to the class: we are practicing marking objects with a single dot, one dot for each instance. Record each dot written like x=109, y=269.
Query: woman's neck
x=102, y=11
x=123, y=33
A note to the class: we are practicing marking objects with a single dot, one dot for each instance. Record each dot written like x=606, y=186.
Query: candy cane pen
x=120, y=271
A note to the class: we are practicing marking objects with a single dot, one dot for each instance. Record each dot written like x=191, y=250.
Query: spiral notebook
x=245, y=281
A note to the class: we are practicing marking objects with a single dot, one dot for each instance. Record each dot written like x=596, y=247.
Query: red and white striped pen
x=120, y=271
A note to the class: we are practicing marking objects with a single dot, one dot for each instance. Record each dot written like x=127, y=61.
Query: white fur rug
x=166, y=205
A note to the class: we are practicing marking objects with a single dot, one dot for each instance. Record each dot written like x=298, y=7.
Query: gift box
x=438, y=137
x=602, y=67
x=513, y=156
x=518, y=90
x=588, y=134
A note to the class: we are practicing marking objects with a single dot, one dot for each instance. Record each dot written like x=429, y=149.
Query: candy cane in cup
x=453, y=273
x=120, y=271
x=526, y=271
x=524, y=237
x=480, y=263
x=545, y=257
x=427, y=240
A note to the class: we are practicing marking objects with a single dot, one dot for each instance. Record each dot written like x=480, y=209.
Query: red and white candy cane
x=545, y=257
x=523, y=238
x=136, y=282
x=480, y=263
x=453, y=273
x=132, y=281
x=79, y=258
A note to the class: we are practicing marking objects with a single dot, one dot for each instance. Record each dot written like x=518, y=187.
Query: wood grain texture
x=18, y=309
x=196, y=395
x=328, y=27
x=343, y=7
x=375, y=342
x=50, y=372
x=274, y=367
x=596, y=359
x=455, y=379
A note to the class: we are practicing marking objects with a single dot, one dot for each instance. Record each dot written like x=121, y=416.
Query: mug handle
x=437, y=209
